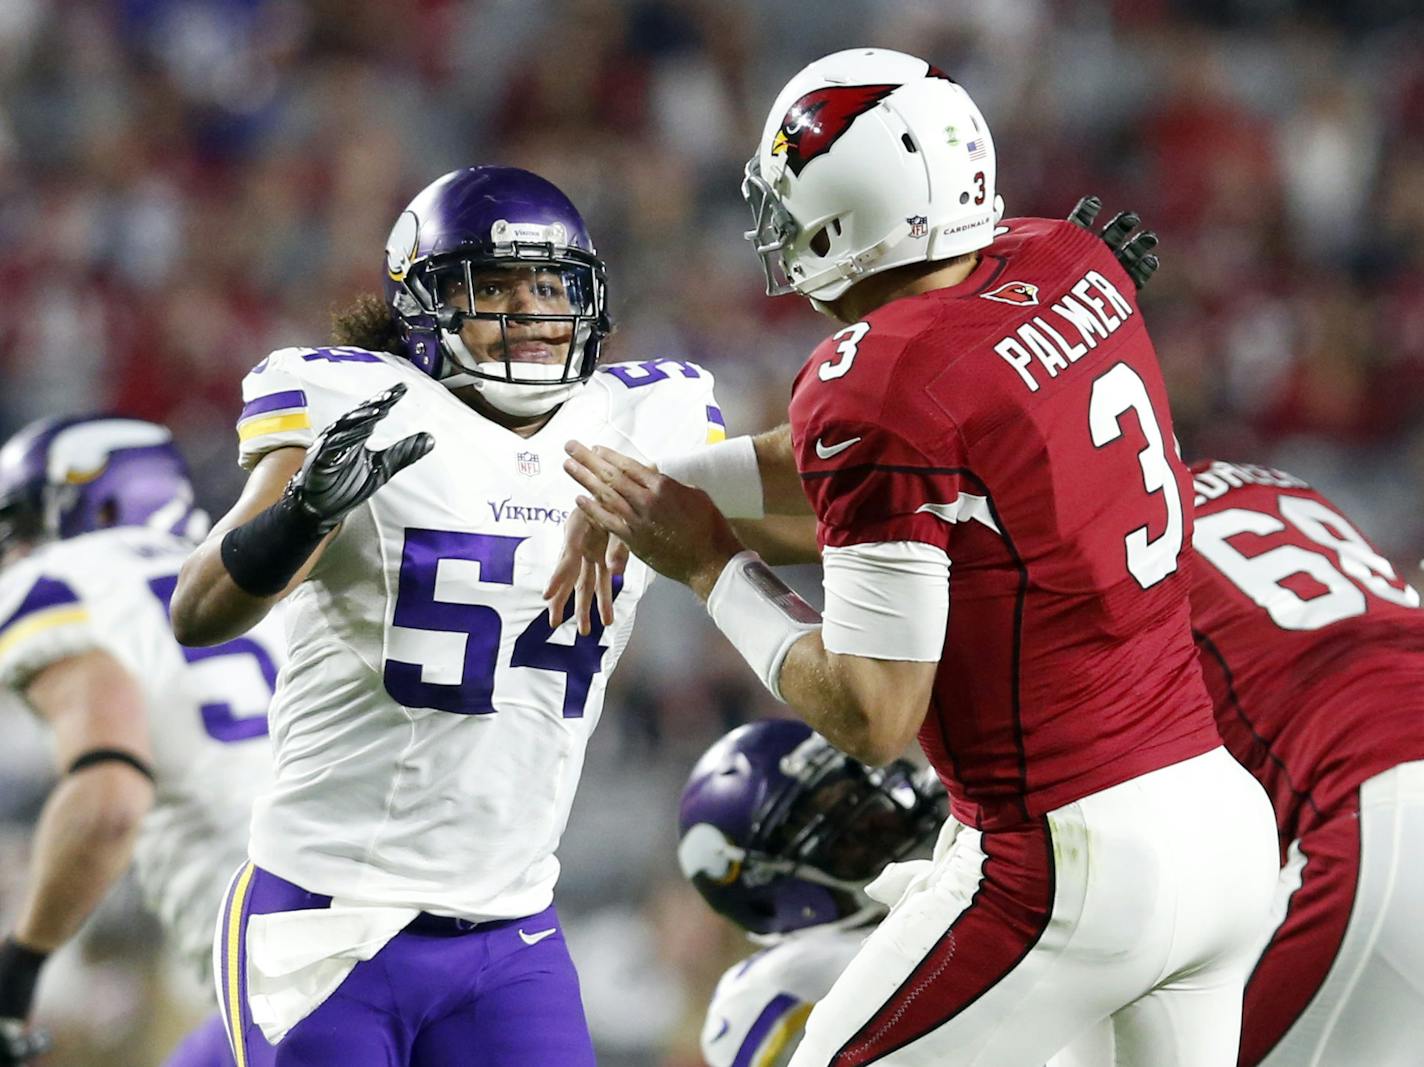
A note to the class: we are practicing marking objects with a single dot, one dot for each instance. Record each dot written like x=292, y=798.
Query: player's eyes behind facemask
x=504, y=291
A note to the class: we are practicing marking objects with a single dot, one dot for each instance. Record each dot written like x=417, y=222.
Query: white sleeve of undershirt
x=886, y=600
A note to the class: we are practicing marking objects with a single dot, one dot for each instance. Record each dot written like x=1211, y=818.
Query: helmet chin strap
x=520, y=399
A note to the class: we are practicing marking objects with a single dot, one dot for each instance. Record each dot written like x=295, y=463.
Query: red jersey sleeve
x=866, y=481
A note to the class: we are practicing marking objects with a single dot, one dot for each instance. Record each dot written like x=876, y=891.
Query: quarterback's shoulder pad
x=293, y=394
x=43, y=619
x=666, y=406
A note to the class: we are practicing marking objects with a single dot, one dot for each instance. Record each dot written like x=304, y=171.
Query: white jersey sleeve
x=295, y=393
x=760, y=1006
x=205, y=707
x=43, y=620
x=667, y=407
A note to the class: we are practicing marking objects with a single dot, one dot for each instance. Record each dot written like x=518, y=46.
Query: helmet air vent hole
x=821, y=243
x=836, y=225
x=964, y=198
x=908, y=142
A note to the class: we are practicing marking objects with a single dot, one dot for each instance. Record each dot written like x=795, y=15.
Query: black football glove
x=20, y=1044
x=340, y=472
x=1135, y=255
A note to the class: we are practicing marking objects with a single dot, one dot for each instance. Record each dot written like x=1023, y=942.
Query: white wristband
x=726, y=471
x=761, y=615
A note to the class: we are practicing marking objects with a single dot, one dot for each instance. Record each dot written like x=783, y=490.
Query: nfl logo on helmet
x=528, y=463
x=919, y=225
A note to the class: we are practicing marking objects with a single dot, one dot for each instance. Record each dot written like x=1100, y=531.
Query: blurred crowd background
x=187, y=184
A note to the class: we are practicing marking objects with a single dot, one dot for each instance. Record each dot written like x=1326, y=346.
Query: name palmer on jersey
x=1092, y=310
x=431, y=728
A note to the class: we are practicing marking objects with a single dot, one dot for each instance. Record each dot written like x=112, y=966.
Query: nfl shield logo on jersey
x=528, y=463
x=919, y=225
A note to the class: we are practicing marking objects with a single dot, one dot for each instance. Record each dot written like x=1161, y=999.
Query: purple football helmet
x=484, y=219
x=780, y=831
x=61, y=477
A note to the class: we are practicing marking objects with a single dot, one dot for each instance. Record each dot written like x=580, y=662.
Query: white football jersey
x=206, y=706
x=759, y=1008
x=430, y=731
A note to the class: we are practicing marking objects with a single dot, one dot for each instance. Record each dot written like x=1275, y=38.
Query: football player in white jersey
x=430, y=733
x=781, y=833
x=160, y=748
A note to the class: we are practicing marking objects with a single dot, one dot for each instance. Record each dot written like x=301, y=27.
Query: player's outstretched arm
x=292, y=505
x=86, y=832
x=869, y=707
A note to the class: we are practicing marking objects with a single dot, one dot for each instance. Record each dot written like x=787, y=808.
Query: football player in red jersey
x=993, y=400
x=1313, y=651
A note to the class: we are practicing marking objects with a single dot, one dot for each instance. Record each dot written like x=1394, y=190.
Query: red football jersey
x=1311, y=646
x=1019, y=422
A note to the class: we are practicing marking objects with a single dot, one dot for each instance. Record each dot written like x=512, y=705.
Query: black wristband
x=263, y=554
x=19, y=973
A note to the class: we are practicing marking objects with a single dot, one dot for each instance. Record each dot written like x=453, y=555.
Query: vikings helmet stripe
x=290, y=398
x=298, y=420
x=230, y=978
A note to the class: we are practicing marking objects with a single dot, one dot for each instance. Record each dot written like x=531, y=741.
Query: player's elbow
x=196, y=612
x=875, y=745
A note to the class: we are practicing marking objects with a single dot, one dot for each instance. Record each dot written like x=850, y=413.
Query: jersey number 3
x=1116, y=393
x=436, y=623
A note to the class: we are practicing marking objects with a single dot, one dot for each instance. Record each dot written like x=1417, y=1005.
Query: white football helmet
x=870, y=159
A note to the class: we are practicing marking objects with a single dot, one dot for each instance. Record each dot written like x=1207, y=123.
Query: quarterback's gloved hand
x=1135, y=254
x=340, y=472
x=20, y=1044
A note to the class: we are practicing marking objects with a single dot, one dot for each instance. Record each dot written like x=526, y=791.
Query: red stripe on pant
x=1007, y=915
x=1299, y=957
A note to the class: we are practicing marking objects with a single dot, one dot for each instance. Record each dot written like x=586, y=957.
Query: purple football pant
x=205, y=1047
x=441, y=993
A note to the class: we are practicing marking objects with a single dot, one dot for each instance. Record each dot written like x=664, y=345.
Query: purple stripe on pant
x=438, y=994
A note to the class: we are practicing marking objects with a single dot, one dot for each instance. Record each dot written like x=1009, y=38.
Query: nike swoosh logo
x=827, y=451
x=726, y=1025
x=535, y=938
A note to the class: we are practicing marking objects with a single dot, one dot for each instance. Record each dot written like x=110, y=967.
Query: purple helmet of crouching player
x=780, y=831
x=61, y=477
x=494, y=217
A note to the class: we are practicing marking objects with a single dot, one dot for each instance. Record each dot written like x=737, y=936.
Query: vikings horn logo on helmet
x=818, y=119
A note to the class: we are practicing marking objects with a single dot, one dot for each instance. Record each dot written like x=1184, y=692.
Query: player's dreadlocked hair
x=367, y=323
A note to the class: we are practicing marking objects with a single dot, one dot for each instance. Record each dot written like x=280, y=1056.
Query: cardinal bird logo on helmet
x=1023, y=294
x=818, y=119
